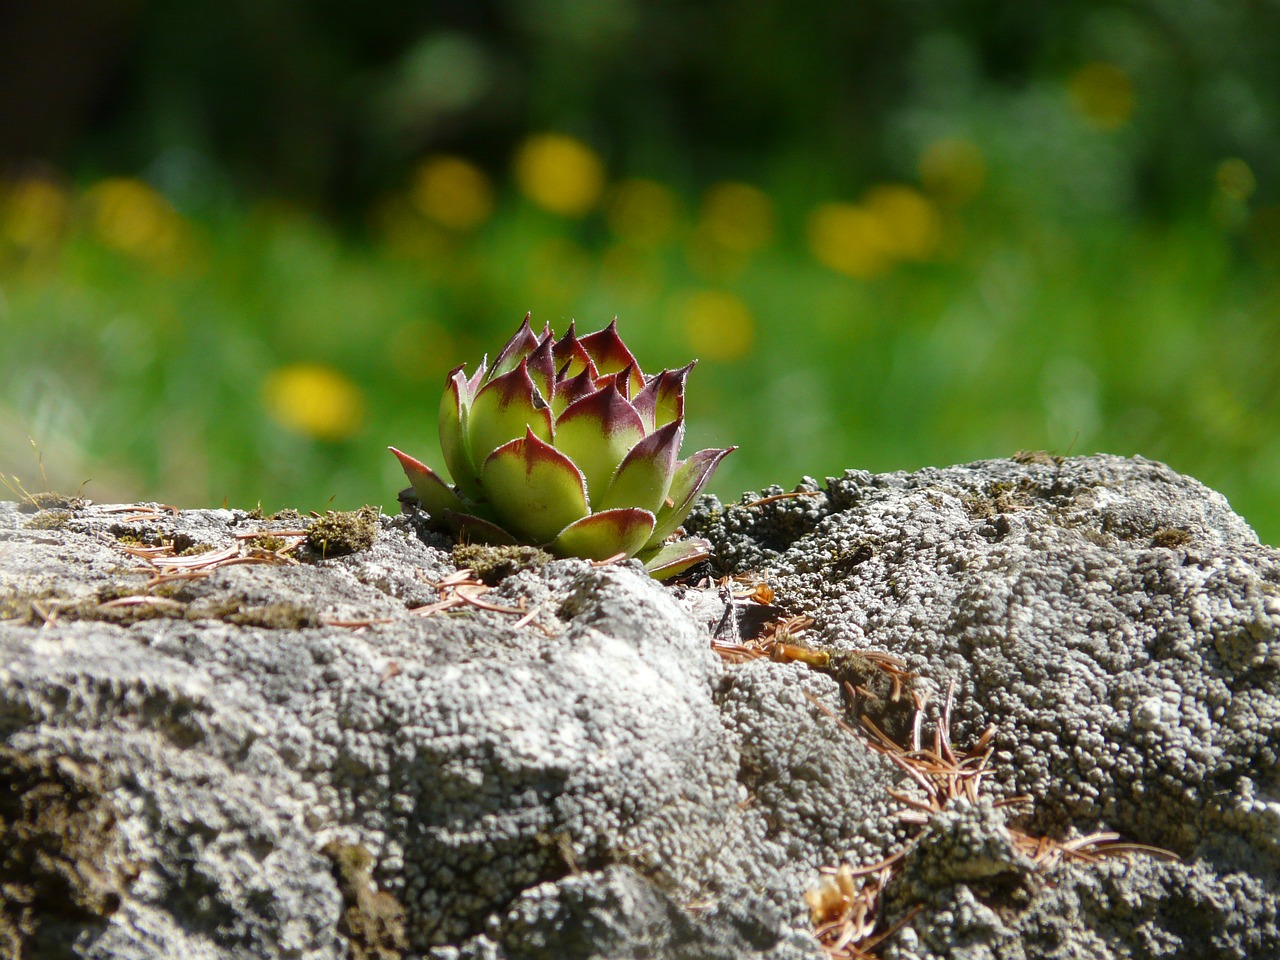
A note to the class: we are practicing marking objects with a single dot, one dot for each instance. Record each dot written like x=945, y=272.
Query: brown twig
x=785, y=496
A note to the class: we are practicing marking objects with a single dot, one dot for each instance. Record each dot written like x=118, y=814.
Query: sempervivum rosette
x=566, y=444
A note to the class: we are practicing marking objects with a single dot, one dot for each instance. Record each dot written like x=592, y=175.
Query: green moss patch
x=336, y=533
x=495, y=564
x=124, y=607
x=267, y=542
x=36, y=502
x=48, y=520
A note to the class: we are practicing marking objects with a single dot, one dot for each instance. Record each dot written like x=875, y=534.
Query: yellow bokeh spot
x=452, y=192
x=314, y=400
x=130, y=216
x=560, y=174
x=953, y=170
x=1235, y=179
x=910, y=225
x=34, y=213
x=718, y=326
x=737, y=216
x=1103, y=94
x=864, y=240
x=642, y=212
x=849, y=238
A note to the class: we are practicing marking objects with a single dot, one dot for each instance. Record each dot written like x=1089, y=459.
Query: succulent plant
x=566, y=444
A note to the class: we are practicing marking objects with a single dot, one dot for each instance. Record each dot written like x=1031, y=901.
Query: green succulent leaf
x=690, y=477
x=605, y=534
x=565, y=347
x=436, y=496
x=628, y=381
x=645, y=474
x=662, y=399
x=503, y=409
x=534, y=488
x=567, y=443
x=516, y=349
x=455, y=410
x=572, y=390
x=572, y=358
x=611, y=355
x=596, y=432
x=542, y=369
x=668, y=559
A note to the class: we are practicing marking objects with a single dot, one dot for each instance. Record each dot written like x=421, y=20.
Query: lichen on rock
x=566, y=768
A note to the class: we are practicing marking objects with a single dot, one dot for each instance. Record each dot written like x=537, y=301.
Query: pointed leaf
x=574, y=362
x=535, y=489
x=517, y=348
x=668, y=559
x=629, y=380
x=542, y=369
x=690, y=477
x=645, y=474
x=605, y=534
x=572, y=390
x=608, y=351
x=503, y=409
x=434, y=494
x=565, y=346
x=662, y=399
x=477, y=378
x=455, y=408
x=597, y=432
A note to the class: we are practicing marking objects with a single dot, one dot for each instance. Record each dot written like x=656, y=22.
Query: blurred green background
x=242, y=242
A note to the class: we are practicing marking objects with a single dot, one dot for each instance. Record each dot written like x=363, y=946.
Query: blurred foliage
x=895, y=234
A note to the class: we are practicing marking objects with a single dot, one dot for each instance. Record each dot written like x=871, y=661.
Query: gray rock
x=280, y=759
x=1119, y=626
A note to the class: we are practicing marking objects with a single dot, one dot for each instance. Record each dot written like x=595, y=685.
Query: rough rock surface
x=220, y=743
x=1120, y=628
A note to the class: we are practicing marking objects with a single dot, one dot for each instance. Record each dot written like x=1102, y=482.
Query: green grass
x=1027, y=330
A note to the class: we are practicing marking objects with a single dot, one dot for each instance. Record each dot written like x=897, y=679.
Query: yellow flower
x=864, y=240
x=718, y=325
x=1102, y=93
x=910, y=226
x=130, y=216
x=560, y=174
x=737, y=216
x=641, y=212
x=314, y=400
x=452, y=192
x=849, y=239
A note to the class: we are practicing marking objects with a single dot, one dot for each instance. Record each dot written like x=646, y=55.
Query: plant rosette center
x=568, y=445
